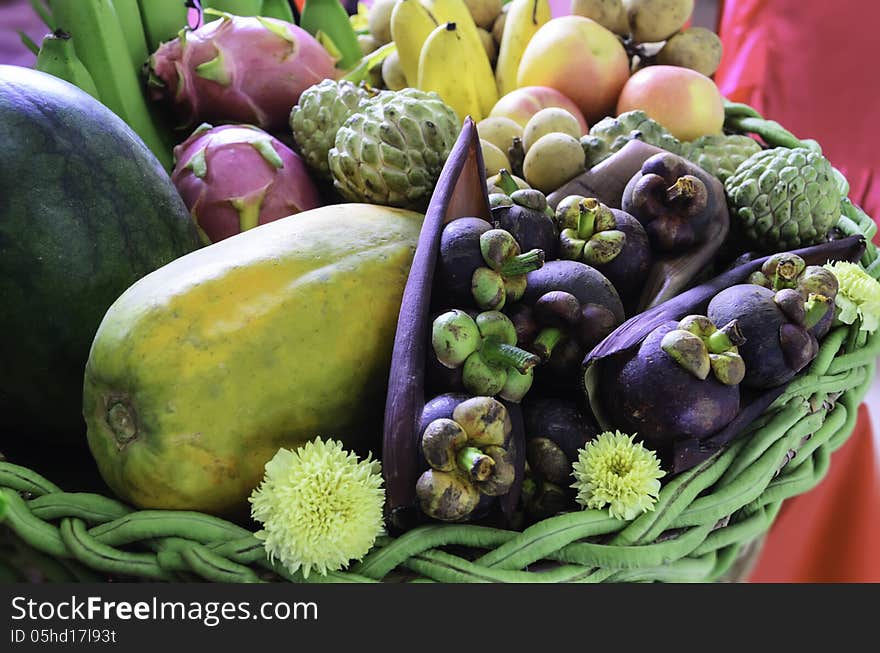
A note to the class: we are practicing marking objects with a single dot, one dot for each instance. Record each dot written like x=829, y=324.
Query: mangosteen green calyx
x=671, y=202
x=784, y=198
x=468, y=458
x=817, y=286
x=779, y=326
x=485, y=348
x=610, y=240
x=526, y=215
x=680, y=383
x=483, y=265
x=567, y=309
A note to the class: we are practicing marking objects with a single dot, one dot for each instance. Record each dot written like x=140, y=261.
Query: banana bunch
x=101, y=46
x=440, y=49
x=90, y=36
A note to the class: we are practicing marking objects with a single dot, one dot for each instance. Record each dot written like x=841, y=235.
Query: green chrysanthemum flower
x=614, y=470
x=858, y=296
x=320, y=507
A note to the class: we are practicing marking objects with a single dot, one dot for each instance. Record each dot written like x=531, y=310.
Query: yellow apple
x=522, y=103
x=580, y=59
x=684, y=101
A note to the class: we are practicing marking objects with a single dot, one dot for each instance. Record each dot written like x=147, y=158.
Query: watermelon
x=85, y=211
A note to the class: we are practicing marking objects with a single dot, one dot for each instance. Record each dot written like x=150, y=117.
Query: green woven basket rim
x=704, y=519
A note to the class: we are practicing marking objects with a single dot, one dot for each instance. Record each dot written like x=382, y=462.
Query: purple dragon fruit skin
x=235, y=177
x=239, y=69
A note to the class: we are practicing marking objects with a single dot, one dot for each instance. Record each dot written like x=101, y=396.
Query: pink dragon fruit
x=239, y=69
x=234, y=177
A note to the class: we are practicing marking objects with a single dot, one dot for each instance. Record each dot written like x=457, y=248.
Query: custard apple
x=610, y=134
x=784, y=198
x=391, y=150
x=319, y=114
x=720, y=155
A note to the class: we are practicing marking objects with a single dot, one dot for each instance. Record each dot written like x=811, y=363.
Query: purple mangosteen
x=610, y=240
x=681, y=382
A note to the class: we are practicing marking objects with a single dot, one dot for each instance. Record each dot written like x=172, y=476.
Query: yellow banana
x=524, y=18
x=57, y=57
x=443, y=68
x=411, y=24
x=456, y=11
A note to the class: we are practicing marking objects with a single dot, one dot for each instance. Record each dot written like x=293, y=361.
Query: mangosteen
x=484, y=348
x=567, y=309
x=555, y=429
x=481, y=265
x=610, y=240
x=777, y=327
x=469, y=457
x=527, y=216
x=817, y=286
x=669, y=198
x=680, y=383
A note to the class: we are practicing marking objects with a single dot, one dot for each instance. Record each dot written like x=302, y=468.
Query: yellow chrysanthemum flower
x=858, y=296
x=614, y=470
x=320, y=507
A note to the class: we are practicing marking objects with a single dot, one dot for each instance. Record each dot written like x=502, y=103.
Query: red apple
x=684, y=101
x=521, y=104
x=579, y=58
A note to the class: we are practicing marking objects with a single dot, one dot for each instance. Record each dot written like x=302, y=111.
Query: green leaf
x=42, y=11
x=361, y=71
x=28, y=42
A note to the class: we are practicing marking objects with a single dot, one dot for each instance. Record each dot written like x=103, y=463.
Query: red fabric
x=809, y=66
x=832, y=533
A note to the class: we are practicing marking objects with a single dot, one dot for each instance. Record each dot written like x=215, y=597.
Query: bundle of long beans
x=705, y=518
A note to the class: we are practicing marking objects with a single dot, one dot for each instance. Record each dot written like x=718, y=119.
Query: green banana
x=330, y=18
x=281, y=10
x=129, y=15
x=57, y=57
x=117, y=81
x=235, y=7
x=162, y=20
x=42, y=11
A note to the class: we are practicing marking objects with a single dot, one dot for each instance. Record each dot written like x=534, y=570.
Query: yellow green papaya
x=202, y=369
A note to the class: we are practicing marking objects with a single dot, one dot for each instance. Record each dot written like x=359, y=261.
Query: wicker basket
x=707, y=524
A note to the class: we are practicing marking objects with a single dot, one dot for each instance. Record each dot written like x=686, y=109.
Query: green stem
x=523, y=263
x=587, y=220
x=475, y=463
x=718, y=342
x=546, y=341
x=499, y=353
x=815, y=309
x=506, y=182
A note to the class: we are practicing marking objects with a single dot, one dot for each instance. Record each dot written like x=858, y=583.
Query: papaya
x=203, y=369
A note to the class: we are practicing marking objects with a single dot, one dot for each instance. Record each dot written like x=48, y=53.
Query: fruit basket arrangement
x=604, y=354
